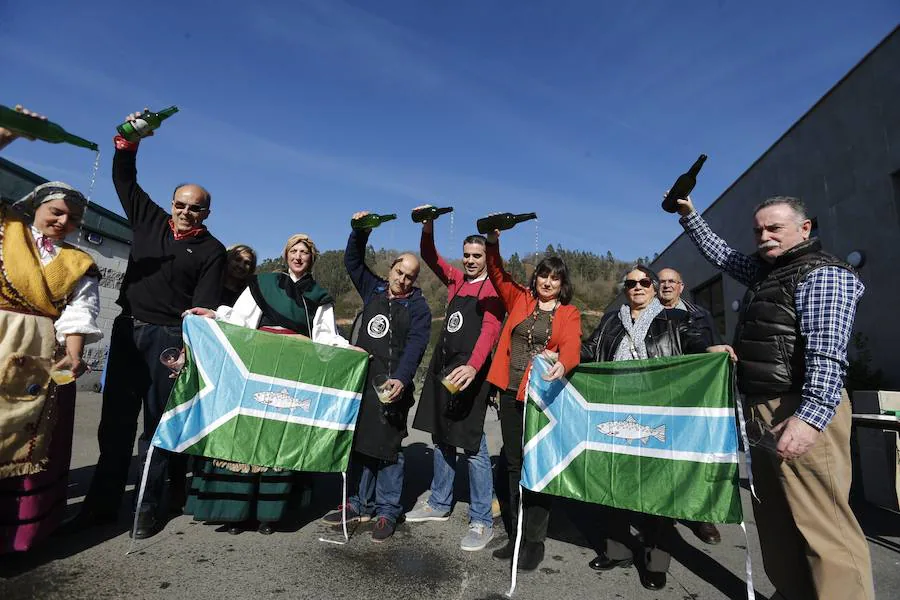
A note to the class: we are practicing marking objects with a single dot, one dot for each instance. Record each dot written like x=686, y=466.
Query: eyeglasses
x=672, y=281
x=630, y=284
x=193, y=208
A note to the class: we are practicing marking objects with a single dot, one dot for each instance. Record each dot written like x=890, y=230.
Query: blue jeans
x=134, y=377
x=380, y=486
x=481, y=487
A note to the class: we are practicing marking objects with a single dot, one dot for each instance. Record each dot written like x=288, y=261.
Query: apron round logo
x=455, y=322
x=378, y=326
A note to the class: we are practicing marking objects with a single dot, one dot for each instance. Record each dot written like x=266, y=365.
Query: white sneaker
x=478, y=536
x=425, y=512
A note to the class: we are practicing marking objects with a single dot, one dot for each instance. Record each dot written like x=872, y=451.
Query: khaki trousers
x=812, y=544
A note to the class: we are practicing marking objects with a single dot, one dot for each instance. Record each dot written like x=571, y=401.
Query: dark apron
x=381, y=330
x=455, y=420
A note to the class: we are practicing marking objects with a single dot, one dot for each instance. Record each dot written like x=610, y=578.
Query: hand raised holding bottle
x=130, y=125
x=7, y=135
x=502, y=221
x=368, y=220
x=428, y=213
x=22, y=123
x=685, y=206
x=21, y=134
x=142, y=124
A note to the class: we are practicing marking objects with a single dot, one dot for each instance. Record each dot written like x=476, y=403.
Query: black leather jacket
x=673, y=332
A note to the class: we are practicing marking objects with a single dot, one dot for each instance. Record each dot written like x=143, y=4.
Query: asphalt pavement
x=196, y=561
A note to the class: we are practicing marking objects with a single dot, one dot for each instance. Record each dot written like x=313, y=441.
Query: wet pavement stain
x=164, y=585
x=406, y=564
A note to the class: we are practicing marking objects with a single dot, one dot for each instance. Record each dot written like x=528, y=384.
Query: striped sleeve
x=826, y=302
x=741, y=267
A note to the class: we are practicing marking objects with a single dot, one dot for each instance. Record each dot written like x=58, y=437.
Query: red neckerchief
x=192, y=232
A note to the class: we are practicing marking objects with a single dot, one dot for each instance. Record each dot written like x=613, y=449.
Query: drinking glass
x=173, y=359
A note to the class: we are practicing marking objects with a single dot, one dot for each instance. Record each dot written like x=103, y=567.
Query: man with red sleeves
x=455, y=394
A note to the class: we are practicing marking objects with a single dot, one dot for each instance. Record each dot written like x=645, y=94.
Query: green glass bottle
x=144, y=124
x=683, y=186
x=429, y=213
x=40, y=129
x=502, y=221
x=370, y=221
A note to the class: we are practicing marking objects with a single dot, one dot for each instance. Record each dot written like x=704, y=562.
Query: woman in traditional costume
x=49, y=302
x=289, y=303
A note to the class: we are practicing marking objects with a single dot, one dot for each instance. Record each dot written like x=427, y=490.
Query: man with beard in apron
x=460, y=361
x=393, y=327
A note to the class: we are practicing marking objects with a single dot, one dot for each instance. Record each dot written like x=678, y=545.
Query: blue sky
x=296, y=114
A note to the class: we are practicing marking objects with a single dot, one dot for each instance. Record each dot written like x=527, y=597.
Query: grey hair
x=796, y=204
x=643, y=269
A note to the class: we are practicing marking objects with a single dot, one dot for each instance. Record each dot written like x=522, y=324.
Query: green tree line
x=594, y=277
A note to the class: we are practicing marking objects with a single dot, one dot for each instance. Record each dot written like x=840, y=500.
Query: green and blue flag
x=657, y=436
x=263, y=399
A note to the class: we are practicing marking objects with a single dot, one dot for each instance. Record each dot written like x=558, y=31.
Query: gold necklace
x=534, y=317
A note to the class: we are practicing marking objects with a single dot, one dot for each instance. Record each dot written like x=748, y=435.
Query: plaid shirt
x=825, y=301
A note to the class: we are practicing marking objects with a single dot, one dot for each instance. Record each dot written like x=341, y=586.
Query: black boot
x=147, y=526
x=532, y=556
x=506, y=552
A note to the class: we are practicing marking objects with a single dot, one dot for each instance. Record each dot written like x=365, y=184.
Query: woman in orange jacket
x=540, y=320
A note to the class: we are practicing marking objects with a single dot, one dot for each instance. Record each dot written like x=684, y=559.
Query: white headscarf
x=47, y=192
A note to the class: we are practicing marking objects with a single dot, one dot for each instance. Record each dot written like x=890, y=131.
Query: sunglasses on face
x=192, y=208
x=630, y=284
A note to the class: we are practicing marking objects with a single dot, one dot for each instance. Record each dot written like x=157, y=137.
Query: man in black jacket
x=671, y=288
x=175, y=264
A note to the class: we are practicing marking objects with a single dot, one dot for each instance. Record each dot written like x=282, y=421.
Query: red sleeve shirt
x=457, y=285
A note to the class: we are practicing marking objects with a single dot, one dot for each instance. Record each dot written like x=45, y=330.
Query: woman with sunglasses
x=641, y=328
x=541, y=320
x=289, y=303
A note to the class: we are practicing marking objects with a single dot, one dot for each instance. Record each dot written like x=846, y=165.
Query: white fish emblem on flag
x=631, y=430
x=282, y=399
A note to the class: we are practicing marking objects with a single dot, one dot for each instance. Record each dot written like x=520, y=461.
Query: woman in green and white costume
x=290, y=303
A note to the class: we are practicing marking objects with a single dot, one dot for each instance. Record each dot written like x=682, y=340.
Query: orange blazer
x=565, y=334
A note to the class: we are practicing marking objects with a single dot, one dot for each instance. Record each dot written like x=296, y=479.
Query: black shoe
x=265, y=529
x=708, y=533
x=652, y=580
x=147, y=526
x=235, y=529
x=384, y=528
x=604, y=563
x=87, y=519
x=177, y=500
x=505, y=552
x=532, y=556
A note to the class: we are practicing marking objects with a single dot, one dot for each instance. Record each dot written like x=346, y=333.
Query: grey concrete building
x=842, y=158
x=105, y=236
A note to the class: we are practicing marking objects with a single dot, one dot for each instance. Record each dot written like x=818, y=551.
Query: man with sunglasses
x=791, y=351
x=175, y=264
